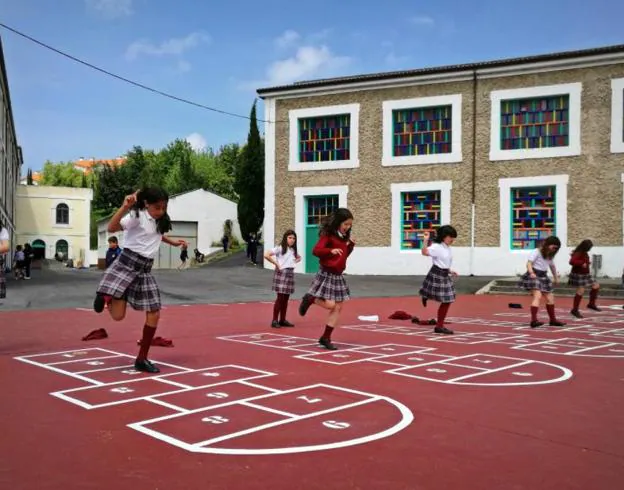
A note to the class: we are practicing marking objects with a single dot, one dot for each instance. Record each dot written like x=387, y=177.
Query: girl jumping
x=580, y=277
x=129, y=279
x=329, y=289
x=283, y=257
x=438, y=284
x=536, y=280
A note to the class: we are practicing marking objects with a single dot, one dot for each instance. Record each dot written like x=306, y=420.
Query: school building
x=10, y=158
x=509, y=152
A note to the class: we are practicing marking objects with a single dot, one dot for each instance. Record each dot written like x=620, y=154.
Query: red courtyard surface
x=239, y=405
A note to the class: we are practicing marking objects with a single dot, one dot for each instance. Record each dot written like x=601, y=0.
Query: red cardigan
x=336, y=264
x=580, y=263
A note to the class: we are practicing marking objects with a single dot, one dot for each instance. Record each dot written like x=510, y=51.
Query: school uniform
x=329, y=282
x=4, y=236
x=580, y=275
x=284, y=277
x=541, y=265
x=438, y=284
x=130, y=277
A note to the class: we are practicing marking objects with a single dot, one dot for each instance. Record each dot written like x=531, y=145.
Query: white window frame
x=300, y=227
x=573, y=90
x=561, y=205
x=354, y=143
x=617, y=115
x=69, y=215
x=444, y=186
x=454, y=100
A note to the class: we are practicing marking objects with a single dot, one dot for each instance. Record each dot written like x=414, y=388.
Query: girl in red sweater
x=330, y=289
x=580, y=277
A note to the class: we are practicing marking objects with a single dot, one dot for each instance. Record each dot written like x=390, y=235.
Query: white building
x=197, y=216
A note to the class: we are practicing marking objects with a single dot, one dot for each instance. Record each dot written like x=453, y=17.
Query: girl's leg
x=332, y=322
x=577, y=302
x=537, y=296
x=117, y=309
x=149, y=329
x=283, y=309
x=276, y=310
x=442, y=312
x=550, y=308
x=593, y=294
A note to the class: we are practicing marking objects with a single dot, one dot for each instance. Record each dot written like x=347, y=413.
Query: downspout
x=474, y=172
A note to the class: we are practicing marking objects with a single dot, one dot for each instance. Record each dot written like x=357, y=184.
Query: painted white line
x=75, y=361
x=254, y=385
x=165, y=404
x=489, y=371
x=86, y=349
x=586, y=349
x=61, y=371
x=268, y=409
x=90, y=310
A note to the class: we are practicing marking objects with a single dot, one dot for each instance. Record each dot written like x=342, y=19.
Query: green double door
x=317, y=208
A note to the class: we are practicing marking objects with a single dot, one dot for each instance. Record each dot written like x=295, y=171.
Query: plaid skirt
x=2, y=279
x=542, y=282
x=438, y=285
x=130, y=278
x=330, y=286
x=580, y=280
x=284, y=281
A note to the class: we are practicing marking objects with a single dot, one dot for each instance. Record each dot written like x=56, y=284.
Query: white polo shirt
x=285, y=261
x=539, y=262
x=140, y=234
x=4, y=236
x=441, y=255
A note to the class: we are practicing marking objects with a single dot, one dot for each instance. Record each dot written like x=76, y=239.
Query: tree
x=29, y=177
x=250, y=180
x=84, y=184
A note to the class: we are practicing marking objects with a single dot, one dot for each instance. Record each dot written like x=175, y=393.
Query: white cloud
x=184, y=66
x=173, y=46
x=423, y=20
x=111, y=8
x=197, y=141
x=287, y=39
x=391, y=58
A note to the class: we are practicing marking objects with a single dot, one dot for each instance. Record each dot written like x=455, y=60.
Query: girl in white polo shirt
x=283, y=257
x=536, y=280
x=438, y=284
x=129, y=279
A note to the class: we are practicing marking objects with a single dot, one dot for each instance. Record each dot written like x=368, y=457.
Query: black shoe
x=274, y=324
x=536, y=324
x=285, y=323
x=443, y=330
x=593, y=307
x=327, y=344
x=145, y=366
x=306, y=302
x=556, y=323
x=423, y=301
x=98, y=303
x=576, y=314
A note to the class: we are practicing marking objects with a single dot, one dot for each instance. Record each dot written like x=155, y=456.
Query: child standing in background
x=536, y=280
x=113, y=251
x=580, y=277
x=330, y=289
x=283, y=257
x=438, y=284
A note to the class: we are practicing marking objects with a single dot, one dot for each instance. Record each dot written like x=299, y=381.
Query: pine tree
x=29, y=177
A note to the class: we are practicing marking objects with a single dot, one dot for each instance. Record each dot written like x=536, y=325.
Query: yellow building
x=55, y=220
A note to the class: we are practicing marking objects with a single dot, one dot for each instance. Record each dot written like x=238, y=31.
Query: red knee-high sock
x=284, y=307
x=534, y=313
x=277, y=306
x=146, y=341
x=551, y=312
x=577, y=302
x=328, y=332
x=593, y=294
x=442, y=311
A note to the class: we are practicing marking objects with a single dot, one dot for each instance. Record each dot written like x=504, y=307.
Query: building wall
x=10, y=156
x=592, y=180
x=37, y=218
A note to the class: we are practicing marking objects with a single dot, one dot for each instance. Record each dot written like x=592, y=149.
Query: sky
x=218, y=53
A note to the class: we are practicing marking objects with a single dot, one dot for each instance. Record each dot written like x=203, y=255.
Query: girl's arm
x=4, y=246
x=322, y=249
x=114, y=224
x=425, y=246
x=529, y=266
x=553, y=269
x=577, y=259
x=268, y=255
x=173, y=243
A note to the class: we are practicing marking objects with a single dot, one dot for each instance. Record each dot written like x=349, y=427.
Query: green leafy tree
x=250, y=180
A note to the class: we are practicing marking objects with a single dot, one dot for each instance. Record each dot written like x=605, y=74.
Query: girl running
x=329, y=289
x=580, y=277
x=143, y=218
x=283, y=257
x=536, y=280
x=438, y=284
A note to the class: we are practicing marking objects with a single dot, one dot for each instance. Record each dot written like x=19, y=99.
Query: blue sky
x=217, y=53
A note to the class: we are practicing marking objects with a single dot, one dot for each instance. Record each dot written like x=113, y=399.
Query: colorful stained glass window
x=536, y=123
x=533, y=216
x=319, y=207
x=420, y=212
x=423, y=131
x=325, y=139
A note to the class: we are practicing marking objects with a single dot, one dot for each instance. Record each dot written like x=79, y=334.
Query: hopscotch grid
x=489, y=371
x=268, y=409
x=75, y=361
x=61, y=371
x=128, y=366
